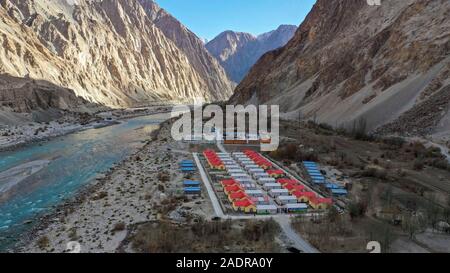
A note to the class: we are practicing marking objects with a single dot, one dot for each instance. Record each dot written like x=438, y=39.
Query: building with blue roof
x=186, y=161
x=188, y=183
x=188, y=169
x=332, y=186
x=339, y=192
x=192, y=190
x=187, y=166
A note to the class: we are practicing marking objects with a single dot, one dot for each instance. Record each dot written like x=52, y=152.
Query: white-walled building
x=278, y=192
x=240, y=176
x=254, y=193
x=266, y=209
x=256, y=170
x=288, y=199
x=249, y=186
x=260, y=175
x=264, y=180
x=272, y=186
x=244, y=180
x=251, y=166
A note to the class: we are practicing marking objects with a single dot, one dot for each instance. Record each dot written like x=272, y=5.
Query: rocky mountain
x=26, y=95
x=350, y=61
x=237, y=52
x=111, y=52
x=193, y=47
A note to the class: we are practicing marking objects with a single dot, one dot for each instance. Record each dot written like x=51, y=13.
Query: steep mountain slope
x=108, y=52
x=237, y=52
x=349, y=60
x=193, y=47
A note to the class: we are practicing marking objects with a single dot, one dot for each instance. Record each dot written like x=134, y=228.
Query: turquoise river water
x=36, y=178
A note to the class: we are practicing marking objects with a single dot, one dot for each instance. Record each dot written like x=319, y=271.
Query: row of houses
x=238, y=185
x=241, y=188
x=247, y=170
x=290, y=194
x=240, y=200
x=316, y=176
x=187, y=166
x=213, y=160
x=291, y=190
x=256, y=202
x=243, y=138
x=302, y=195
x=190, y=187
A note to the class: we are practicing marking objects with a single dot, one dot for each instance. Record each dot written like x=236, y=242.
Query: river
x=36, y=178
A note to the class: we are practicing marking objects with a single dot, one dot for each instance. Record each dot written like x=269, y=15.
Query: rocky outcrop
x=26, y=95
x=349, y=60
x=423, y=118
x=109, y=52
x=237, y=52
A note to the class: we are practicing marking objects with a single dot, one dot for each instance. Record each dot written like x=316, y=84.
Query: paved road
x=298, y=242
x=221, y=148
x=212, y=195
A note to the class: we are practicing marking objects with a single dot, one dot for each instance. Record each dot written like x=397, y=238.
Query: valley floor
x=138, y=190
x=139, y=206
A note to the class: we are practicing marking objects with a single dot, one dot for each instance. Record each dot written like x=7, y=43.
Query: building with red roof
x=213, y=160
x=294, y=187
x=321, y=203
x=304, y=196
x=286, y=181
x=229, y=182
x=245, y=205
x=233, y=189
x=236, y=196
x=275, y=173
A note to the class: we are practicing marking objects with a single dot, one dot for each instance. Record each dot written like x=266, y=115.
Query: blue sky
x=208, y=18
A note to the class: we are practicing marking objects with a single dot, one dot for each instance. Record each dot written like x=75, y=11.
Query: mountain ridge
x=238, y=51
x=109, y=52
x=350, y=61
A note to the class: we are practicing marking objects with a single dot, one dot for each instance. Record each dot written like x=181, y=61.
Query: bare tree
x=388, y=238
x=412, y=224
x=433, y=211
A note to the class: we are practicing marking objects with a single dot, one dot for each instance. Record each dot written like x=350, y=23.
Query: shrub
x=203, y=236
x=393, y=142
x=359, y=130
x=418, y=164
x=73, y=236
x=119, y=227
x=256, y=231
x=357, y=209
x=100, y=195
x=440, y=164
x=288, y=151
x=43, y=242
x=375, y=173
x=163, y=176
